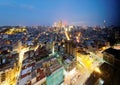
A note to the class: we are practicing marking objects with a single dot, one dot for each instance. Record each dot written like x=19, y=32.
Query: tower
x=104, y=24
x=60, y=23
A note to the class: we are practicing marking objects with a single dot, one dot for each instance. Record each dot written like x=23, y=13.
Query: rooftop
x=114, y=52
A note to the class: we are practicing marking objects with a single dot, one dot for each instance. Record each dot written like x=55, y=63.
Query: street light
x=97, y=70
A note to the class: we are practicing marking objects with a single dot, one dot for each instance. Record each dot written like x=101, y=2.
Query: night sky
x=46, y=12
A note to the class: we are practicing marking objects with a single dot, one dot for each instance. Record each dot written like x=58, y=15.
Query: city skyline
x=43, y=12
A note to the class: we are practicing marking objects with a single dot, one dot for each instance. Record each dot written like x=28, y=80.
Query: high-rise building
x=111, y=56
x=58, y=24
x=104, y=24
x=70, y=47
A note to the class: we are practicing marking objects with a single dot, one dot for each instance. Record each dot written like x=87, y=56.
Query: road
x=82, y=73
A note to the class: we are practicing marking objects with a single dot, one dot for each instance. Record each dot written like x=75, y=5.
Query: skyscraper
x=104, y=26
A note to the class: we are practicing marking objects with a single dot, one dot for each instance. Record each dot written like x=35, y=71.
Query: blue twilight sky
x=46, y=12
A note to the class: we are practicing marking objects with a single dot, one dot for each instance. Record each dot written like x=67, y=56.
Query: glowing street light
x=97, y=70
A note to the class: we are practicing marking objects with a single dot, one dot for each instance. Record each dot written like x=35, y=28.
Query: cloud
x=26, y=6
x=17, y=5
x=6, y=5
x=78, y=23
